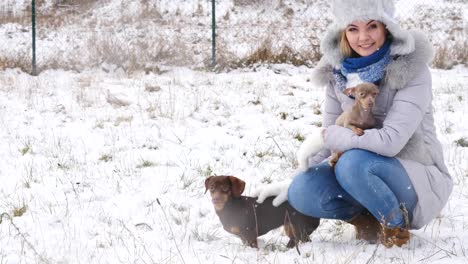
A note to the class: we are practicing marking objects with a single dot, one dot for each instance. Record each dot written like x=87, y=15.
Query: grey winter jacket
x=405, y=121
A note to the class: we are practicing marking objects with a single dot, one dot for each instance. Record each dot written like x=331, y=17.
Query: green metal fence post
x=213, y=36
x=33, y=11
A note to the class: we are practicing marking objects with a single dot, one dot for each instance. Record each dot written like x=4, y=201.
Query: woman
x=392, y=178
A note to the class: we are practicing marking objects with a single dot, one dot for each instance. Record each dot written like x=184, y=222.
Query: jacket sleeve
x=403, y=118
x=332, y=109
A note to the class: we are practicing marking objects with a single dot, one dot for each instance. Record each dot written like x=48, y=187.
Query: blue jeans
x=361, y=180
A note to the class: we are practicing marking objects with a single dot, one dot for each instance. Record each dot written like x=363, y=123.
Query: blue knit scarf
x=368, y=69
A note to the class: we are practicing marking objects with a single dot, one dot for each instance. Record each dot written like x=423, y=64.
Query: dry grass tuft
x=247, y=2
x=462, y=142
x=22, y=18
x=446, y=29
x=76, y=4
x=448, y=55
x=21, y=61
x=19, y=211
x=267, y=54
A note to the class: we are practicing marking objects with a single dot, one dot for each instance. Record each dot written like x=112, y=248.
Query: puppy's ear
x=238, y=186
x=376, y=90
x=349, y=91
x=207, y=182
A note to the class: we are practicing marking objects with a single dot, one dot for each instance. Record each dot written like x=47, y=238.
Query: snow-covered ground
x=95, y=179
x=108, y=184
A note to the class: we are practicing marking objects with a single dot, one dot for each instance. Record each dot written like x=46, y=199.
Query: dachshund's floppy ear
x=207, y=181
x=238, y=186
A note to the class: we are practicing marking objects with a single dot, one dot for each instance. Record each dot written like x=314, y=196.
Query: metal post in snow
x=33, y=11
x=213, y=34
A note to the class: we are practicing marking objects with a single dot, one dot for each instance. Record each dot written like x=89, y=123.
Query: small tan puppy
x=359, y=117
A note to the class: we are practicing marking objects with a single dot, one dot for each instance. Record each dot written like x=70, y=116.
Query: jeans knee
x=301, y=192
x=317, y=193
x=297, y=183
x=350, y=157
x=307, y=182
x=349, y=165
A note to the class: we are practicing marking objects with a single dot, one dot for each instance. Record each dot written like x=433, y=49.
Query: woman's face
x=365, y=37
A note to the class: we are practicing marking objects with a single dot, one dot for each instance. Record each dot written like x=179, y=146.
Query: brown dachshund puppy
x=360, y=116
x=244, y=217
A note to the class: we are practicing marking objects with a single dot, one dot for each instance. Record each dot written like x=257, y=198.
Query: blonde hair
x=345, y=48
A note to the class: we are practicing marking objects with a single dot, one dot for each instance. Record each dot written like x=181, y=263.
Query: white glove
x=279, y=189
x=311, y=146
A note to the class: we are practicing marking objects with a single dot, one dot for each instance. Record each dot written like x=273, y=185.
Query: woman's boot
x=397, y=235
x=394, y=236
x=367, y=227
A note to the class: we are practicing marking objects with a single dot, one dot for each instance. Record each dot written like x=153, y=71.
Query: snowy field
x=101, y=183
x=104, y=165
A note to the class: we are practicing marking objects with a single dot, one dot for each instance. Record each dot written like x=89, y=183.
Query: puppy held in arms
x=358, y=118
x=244, y=217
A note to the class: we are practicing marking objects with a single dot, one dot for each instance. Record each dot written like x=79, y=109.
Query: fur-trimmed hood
x=408, y=53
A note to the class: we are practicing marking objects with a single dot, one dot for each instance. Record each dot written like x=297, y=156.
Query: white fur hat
x=347, y=11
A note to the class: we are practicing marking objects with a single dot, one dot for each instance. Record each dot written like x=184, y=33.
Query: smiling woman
x=363, y=38
x=392, y=178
